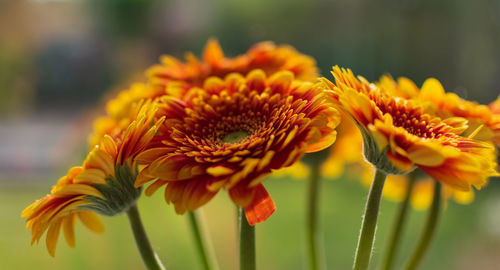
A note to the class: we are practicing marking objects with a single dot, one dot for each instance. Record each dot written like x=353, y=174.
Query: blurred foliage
x=122, y=18
x=109, y=42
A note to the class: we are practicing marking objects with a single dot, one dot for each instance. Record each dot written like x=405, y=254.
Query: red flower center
x=411, y=119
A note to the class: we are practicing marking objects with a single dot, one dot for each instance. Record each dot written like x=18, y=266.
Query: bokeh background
x=58, y=59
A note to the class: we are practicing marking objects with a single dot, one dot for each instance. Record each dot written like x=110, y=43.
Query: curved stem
x=398, y=226
x=205, y=249
x=369, y=223
x=313, y=233
x=148, y=255
x=429, y=229
x=247, y=243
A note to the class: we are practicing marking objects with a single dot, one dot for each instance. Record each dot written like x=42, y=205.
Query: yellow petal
x=108, y=145
x=432, y=91
x=219, y=171
x=52, y=237
x=282, y=79
x=463, y=197
x=78, y=189
x=69, y=229
x=91, y=176
x=430, y=154
x=91, y=221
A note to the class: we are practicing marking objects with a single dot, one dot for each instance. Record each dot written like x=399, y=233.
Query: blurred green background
x=58, y=58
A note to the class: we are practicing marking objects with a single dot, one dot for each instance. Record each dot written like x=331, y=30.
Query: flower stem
x=205, y=250
x=429, y=229
x=247, y=243
x=313, y=233
x=398, y=226
x=369, y=223
x=149, y=257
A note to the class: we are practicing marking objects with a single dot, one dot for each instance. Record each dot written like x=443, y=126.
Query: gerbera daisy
x=405, y=136
x=397, y=136
x=104, y=184
x=174, y=77
x=481, y=118
x=233, y=132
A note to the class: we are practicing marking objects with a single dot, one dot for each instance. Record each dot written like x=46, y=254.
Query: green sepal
x=119, y=193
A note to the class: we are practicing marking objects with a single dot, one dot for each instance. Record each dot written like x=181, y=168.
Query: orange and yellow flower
x=482, y=120
x=108, y=170
x=403, y=136
x=233, y=132
x=174, y=77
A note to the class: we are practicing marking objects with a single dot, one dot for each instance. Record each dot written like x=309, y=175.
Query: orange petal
x=187, y=195
x=151, y=155
x=261, y=208
x=325, y=142
x=168, y=167
x=241, y=194
x=213, y=53
x=154, y=187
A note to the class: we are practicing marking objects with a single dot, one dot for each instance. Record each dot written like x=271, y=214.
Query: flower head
x=174, y=77
x=481, y=119
x=265, y=56
x=103, y=184
x=398, y=135
x=233, y=132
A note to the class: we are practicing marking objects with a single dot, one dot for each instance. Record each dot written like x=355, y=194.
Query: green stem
x=148, y=255
x=369, y=223
x=313, y=233
x=247, y=243
x=398, y=226
x=429, y=229
x=205, y=250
